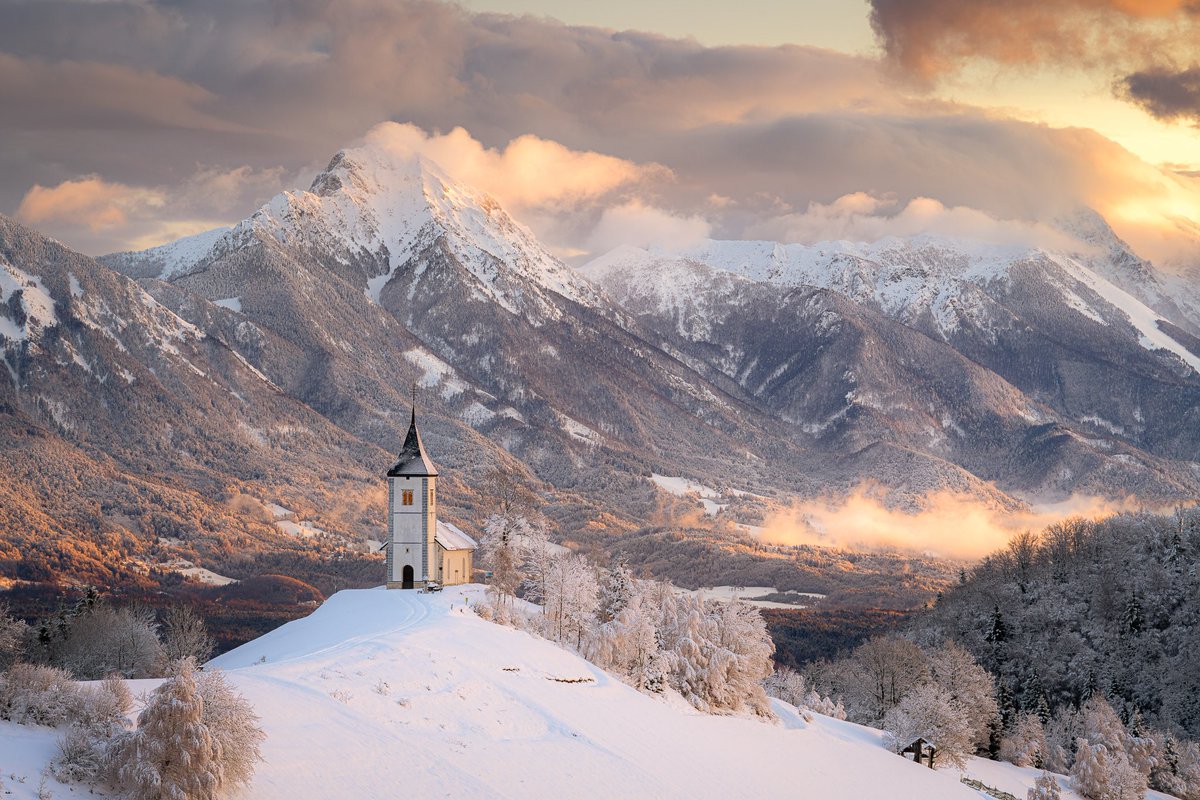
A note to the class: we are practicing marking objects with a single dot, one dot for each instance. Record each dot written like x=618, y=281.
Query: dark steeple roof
x=413, y=462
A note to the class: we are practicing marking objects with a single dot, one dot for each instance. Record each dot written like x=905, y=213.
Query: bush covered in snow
x=714, y=654
x=32, y=694
x=196, y=738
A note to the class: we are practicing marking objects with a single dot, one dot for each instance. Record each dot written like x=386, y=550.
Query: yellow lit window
x=407, y=497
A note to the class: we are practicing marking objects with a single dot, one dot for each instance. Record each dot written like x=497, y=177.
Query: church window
x=407, y=497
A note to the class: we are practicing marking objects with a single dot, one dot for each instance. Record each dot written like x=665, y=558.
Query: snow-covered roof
x=450, y=537
x=413, y=462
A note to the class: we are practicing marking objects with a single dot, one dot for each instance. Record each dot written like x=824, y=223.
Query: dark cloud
x=929, y=38
x=1165, y=93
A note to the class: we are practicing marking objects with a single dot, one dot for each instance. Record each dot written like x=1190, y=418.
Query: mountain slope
x=1097, y=384
x=387, y=264
x=127, y=431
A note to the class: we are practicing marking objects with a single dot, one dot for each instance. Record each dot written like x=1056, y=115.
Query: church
x=421, y=550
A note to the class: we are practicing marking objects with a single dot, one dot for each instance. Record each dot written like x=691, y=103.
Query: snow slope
x=385, y=693
x=379, y=690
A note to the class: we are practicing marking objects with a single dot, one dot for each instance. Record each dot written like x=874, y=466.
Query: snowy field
x=750, y=595
x=387, y=693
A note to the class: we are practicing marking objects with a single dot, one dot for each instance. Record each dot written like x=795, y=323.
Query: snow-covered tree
x=537, y=555
x=104, y=640
x=926, y=712
x=184, y=635
x=878, y=675
x=12, y=636
x=1025, y=744
x=968, y=685
x=33, y=694
x=616, y=591
x=1044, y=788
x=741, y=658
x=500, y=551
x=1103, y=774
x=572, y=595
x=628, y=644
x=788, y=685
x=195, y=738
x=171, y=755
x=231, y=721
x=504, y=531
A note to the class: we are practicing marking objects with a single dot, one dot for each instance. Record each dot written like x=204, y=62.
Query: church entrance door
x=407, y=577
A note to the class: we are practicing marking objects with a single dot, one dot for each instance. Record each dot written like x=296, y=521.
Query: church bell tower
x=412, y=514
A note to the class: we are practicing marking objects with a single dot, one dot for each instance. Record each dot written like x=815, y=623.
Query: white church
x=420, y=550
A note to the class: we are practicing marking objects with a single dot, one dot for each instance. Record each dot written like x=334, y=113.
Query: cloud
x=930, y=38
x=634, y=223
x=527, y=172
x=864, y=217
x=950, y=525
x=92, y=212
x=89, y=201
x=1167, y=94
x=565, y=122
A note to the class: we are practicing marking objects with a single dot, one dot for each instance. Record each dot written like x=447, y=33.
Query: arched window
x=407, y=497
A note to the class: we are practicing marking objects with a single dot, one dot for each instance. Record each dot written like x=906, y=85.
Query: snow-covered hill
x=384, y=693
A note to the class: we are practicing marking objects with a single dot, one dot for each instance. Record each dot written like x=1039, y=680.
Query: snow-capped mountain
x=914, y=365
x=380, y=692
x=1076, y=347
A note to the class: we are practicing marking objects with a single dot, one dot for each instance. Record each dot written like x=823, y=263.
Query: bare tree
x=505, y=530
x=104, y=640
x=12, y=635
x=184, y=635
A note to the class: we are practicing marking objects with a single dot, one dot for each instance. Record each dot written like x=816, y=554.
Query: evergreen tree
x=1132, y=621
x=997, y=632
x=1005, y=704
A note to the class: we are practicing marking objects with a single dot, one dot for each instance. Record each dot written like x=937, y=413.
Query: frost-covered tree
x=12, y=637
x=184, y=635
x=171, y=755
x=500, y=551
x=34, y=694
x=99, y=720
x=183, y=749
x=572, y=595
x=629, y=645
x=1103, y=774
x=788, y=685
x=617, y=591
x=233, y=725
x=926, y=712
x=1025, y=744
x=741, y=658
x=505, y=530
x=1044, y=788
x=537, y=555
x=104, y=640
x=968, y=685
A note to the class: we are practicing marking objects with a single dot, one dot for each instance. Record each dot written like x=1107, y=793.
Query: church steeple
x=413, y=462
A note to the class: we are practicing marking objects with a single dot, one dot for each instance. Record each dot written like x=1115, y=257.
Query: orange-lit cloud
x=949, y=525
x=89, y=201
x=527, y=172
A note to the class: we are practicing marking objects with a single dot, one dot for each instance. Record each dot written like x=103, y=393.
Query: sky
x=129, y=123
